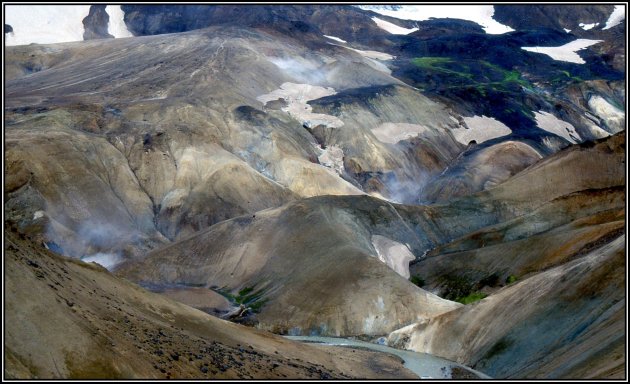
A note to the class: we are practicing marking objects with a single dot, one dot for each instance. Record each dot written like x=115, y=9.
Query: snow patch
x=373, y=54
x=38, y=214
x=393, y=133
x=616, y=17
x=335, y=38
x=586, y=27
x=566, y=30
x=116, y=26
x=45, y=24
x=615, y=118
x=567, y=52
x=553, y=145
x=332, y=157
x=107, y=260
x=480, y=14
x=550, y=123
x=394, y=254
x=597, y=131
x=392, y=28
x=480, y=129
x=296, y=97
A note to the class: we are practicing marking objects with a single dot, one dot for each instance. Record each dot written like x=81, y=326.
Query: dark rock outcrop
x=96, y=23
x=531, y=17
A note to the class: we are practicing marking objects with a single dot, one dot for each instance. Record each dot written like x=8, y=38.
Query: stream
x=422, y=364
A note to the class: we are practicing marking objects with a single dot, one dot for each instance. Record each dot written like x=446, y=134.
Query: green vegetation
x=475, y=296
x=481, y=90
x=248, y=296
x=455, y=287
x=417, y=280
x=464, y=290
x=242, y=294
x=438, y=64
x=515, y=77
x=481, y=75
x=431, y=62
x=565, y=77
x=510, y=279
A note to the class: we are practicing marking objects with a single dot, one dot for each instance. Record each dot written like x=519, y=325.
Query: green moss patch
x=473, y=297
x=478, y=74
x=248, y=296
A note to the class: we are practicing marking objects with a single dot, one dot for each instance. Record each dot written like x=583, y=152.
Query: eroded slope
x=66, y=319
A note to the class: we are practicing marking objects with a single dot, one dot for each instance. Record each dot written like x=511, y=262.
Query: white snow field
x=394, y=254
x=335, y=38
x=393, y=28
x=567, y=52
x=296, y=96
x=45, y=24
x=616, y=17
x=480, y=14
x=550, y=123
x=480, y=129
x=116, y=26
x=50, y=24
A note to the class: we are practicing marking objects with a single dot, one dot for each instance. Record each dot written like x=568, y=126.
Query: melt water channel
x=422, y=364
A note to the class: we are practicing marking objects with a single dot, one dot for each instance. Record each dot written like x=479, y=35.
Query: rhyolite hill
x=439, y=189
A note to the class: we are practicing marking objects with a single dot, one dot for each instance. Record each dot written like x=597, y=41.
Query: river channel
x=422, y=364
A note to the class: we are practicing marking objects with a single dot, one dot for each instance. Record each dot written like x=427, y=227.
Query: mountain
x=543, y=269
x=444, y=179
x=70, y=319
